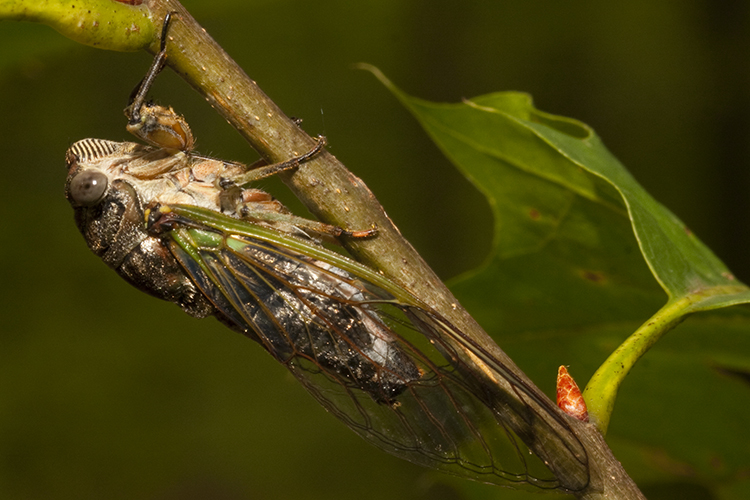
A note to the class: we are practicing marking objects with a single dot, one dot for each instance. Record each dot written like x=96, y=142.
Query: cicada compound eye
x=88, y=187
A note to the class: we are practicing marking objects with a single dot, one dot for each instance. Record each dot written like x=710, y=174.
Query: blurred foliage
x=105, y=392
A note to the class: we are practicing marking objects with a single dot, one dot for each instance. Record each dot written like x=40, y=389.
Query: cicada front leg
x=157, y=125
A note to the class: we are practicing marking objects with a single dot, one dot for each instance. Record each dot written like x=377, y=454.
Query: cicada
x=188, y=229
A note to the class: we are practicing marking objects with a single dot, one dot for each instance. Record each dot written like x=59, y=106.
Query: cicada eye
x=88, y=187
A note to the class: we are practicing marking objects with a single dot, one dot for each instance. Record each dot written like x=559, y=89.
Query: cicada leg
x=268, y=170
x=233, y=197
x=295, y=225
x=157, y=125
x=138, y=96
x=258, y=206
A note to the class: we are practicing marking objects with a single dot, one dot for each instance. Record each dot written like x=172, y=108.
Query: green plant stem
x=99, y=23
x=601, y=391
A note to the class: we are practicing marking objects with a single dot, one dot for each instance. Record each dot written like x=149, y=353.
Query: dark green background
x=107, y=393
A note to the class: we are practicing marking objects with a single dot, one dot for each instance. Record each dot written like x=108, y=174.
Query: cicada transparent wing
x=385, y=366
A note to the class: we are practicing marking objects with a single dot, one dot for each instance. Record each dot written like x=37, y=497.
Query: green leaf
x=581, y=258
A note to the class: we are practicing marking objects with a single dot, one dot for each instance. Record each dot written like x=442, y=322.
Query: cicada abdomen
x=296, y=306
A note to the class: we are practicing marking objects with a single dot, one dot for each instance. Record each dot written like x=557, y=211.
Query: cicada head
x=109, y=212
